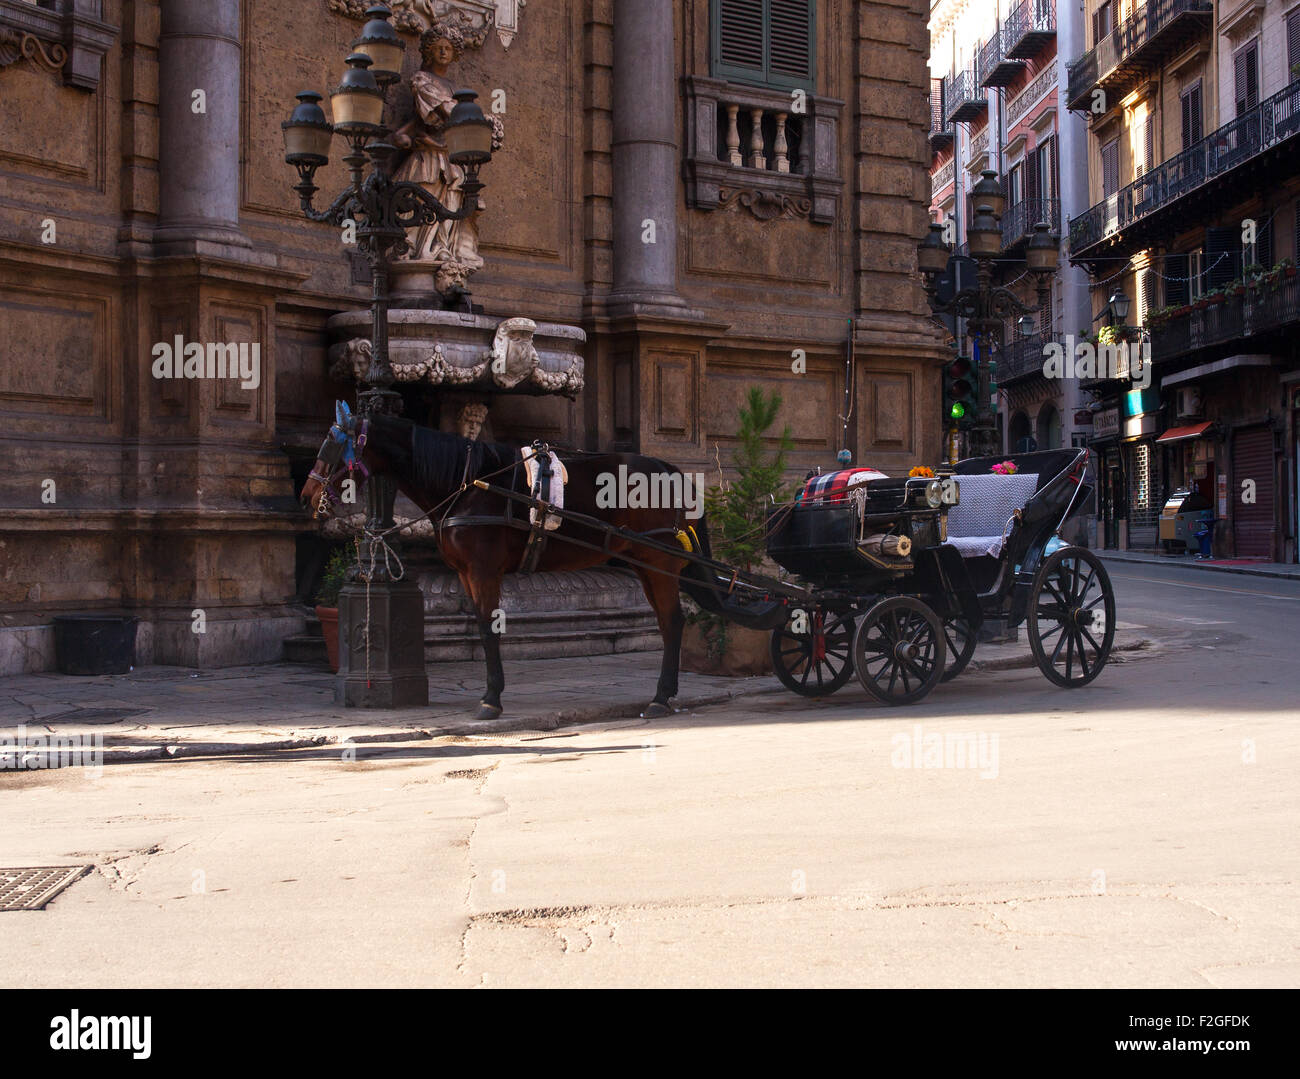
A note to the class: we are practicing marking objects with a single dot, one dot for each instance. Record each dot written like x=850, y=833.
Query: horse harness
x=536, y=530
x=340, y=453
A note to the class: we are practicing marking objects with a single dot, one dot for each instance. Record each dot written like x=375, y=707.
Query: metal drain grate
x=31, y=887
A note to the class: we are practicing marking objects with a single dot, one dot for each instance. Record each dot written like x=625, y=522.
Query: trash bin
x=1205, y=535
x=1179, y=520
x=94, y=643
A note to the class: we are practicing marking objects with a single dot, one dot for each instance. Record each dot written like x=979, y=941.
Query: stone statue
x=470, y=420
x=448, y=250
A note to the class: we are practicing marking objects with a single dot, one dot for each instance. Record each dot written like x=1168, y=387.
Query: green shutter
x=765, y=42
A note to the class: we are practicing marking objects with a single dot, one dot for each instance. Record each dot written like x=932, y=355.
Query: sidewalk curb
x=1246, y=571
x=1014, y=663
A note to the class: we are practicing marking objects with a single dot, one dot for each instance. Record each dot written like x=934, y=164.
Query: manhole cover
x=94, y=715
x=32, y=887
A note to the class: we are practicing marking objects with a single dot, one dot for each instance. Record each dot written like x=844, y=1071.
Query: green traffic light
x=958, y=410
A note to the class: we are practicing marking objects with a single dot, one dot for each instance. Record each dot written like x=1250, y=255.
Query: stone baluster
x=780, y=147
x=756, y=158
x=734, y=156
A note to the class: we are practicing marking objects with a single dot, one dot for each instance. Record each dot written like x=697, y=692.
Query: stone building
x=1193, y=116
x=777, y=146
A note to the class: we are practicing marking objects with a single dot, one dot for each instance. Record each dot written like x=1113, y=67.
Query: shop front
x=1139, y=419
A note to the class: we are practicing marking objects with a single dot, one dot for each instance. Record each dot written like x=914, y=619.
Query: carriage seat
x=977, y=525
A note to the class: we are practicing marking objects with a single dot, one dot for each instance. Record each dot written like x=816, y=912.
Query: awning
x=1178, y=434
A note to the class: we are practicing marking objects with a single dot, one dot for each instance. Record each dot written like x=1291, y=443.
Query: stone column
x=645, y=154
x=198, y=136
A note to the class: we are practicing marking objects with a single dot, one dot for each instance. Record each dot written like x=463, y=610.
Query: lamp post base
x=393, y=674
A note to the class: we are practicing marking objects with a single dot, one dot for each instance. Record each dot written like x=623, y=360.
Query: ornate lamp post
x=986, y=306
x=382, y=210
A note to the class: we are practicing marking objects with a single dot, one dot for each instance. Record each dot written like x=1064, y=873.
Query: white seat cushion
x=977, y=524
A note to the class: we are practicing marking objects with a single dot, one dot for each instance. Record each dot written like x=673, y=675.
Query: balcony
x=996, y=68
x=1121, y=59
x=963, y=98
x=1022, y=360
x=1252, y=151
x=1259, y=312
x=941, y=133
x=1018, y=221
x=1029, y=27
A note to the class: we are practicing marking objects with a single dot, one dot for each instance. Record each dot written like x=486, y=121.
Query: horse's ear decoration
x=342, y=415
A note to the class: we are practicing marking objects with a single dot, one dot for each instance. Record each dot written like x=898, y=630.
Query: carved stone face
x=439, y=53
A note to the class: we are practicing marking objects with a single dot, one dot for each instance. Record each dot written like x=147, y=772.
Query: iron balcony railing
x=996, y=68
x=1030, y=26
x=1258, y=309
x=1022, y=359
x=963, y=97
x=1274, y=121
x=941, y=132
x=1122, y=45
x=1018, y=221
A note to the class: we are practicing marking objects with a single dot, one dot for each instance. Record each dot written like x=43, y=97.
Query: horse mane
x=435, y=460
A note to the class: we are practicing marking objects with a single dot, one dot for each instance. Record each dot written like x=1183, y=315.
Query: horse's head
x=340, y=455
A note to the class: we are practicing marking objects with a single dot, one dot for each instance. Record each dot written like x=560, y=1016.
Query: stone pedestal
x=396, y=614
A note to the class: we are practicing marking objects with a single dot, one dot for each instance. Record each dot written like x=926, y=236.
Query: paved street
x=1139, y=832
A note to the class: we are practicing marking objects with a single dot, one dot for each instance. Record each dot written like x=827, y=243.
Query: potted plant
x=737, y=516
x=327, y=602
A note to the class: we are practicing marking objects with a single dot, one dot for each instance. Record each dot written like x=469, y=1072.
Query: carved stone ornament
x=764, y=205
x=16, y=45
x=476, y=17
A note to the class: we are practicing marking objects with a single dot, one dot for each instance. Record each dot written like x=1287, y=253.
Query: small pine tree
x=737, y=511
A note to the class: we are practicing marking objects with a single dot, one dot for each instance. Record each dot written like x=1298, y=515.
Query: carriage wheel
x=1071, y=617
x=817, y=661
x=899, y=650
x=960, y=639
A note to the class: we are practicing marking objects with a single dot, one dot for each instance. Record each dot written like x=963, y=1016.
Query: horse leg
x=485, y=593
x=663, y=591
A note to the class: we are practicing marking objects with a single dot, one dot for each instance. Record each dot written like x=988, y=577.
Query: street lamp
x=1118, y=305
x=986, y=306
x=382, y=209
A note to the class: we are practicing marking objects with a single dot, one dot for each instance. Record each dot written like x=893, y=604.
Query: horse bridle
x=340, y=453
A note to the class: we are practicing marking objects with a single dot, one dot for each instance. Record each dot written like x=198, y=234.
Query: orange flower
x=922, y=470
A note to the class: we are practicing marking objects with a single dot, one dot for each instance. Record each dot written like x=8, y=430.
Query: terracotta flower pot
x=747, y=652
x=329, y=627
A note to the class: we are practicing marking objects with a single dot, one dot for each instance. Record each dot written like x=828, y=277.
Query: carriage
x=902, y=573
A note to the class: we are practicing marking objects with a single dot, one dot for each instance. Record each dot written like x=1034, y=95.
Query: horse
x=436, y=470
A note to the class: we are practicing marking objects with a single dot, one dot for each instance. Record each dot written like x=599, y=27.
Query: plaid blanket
x=834, y=486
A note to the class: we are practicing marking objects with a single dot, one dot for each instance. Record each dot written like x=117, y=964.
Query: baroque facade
x=776, y=150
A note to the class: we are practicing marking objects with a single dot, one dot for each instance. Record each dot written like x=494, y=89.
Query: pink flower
x=1005, y=468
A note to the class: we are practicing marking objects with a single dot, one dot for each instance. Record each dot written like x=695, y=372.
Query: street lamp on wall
x=1118, y=305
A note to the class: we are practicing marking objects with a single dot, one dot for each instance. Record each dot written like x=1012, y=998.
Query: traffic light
x=959, y=391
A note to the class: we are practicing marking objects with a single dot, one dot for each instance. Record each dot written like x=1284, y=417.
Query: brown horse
x=430, y=466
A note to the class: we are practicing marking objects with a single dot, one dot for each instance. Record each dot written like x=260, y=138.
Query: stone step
x=306, y=648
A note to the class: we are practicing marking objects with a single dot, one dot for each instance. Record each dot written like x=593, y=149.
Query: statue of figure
x=448, y=249
x=469, y=422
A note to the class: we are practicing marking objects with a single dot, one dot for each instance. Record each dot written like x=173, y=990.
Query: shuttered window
x=765, y=42
x=1102, y=22
x=1191, y=99
x=1245, y=70
x=1222, y=256
x=1146, y=154
x=1261, y=251
x=1148, y=293
x=1176, y=272
x=1110, y=168
x=1293, y=45
x=1045, y=167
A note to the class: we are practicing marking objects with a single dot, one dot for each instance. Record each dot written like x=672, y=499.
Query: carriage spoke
x=1083, y=659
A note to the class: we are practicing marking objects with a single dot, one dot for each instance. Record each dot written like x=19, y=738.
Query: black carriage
x=903, y=572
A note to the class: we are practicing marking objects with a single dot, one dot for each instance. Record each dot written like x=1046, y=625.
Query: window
x=1016, y=185
x=1191, y=100
x=1177, y=270
x=1261, y=251
x=1293, y=45
x=1103, y=21
x=765, y=42
x=1044, y=169
x=1245, y=70
x=1196, y=274
x=1110, y=168
x=1144, y=151
x=1222, y=255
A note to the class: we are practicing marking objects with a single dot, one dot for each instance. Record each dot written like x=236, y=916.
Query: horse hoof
x=655, y=710
x=487, y=711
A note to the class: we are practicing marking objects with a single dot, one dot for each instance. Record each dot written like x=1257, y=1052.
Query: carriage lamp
x=1025, y=324
x=380, y=42
x=1043, y=252
x=984, y=234
x=307, y=137
x=934, y=494
x=1119, y=305
x=933, y=254
x=988, y=192
x=469, y=140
